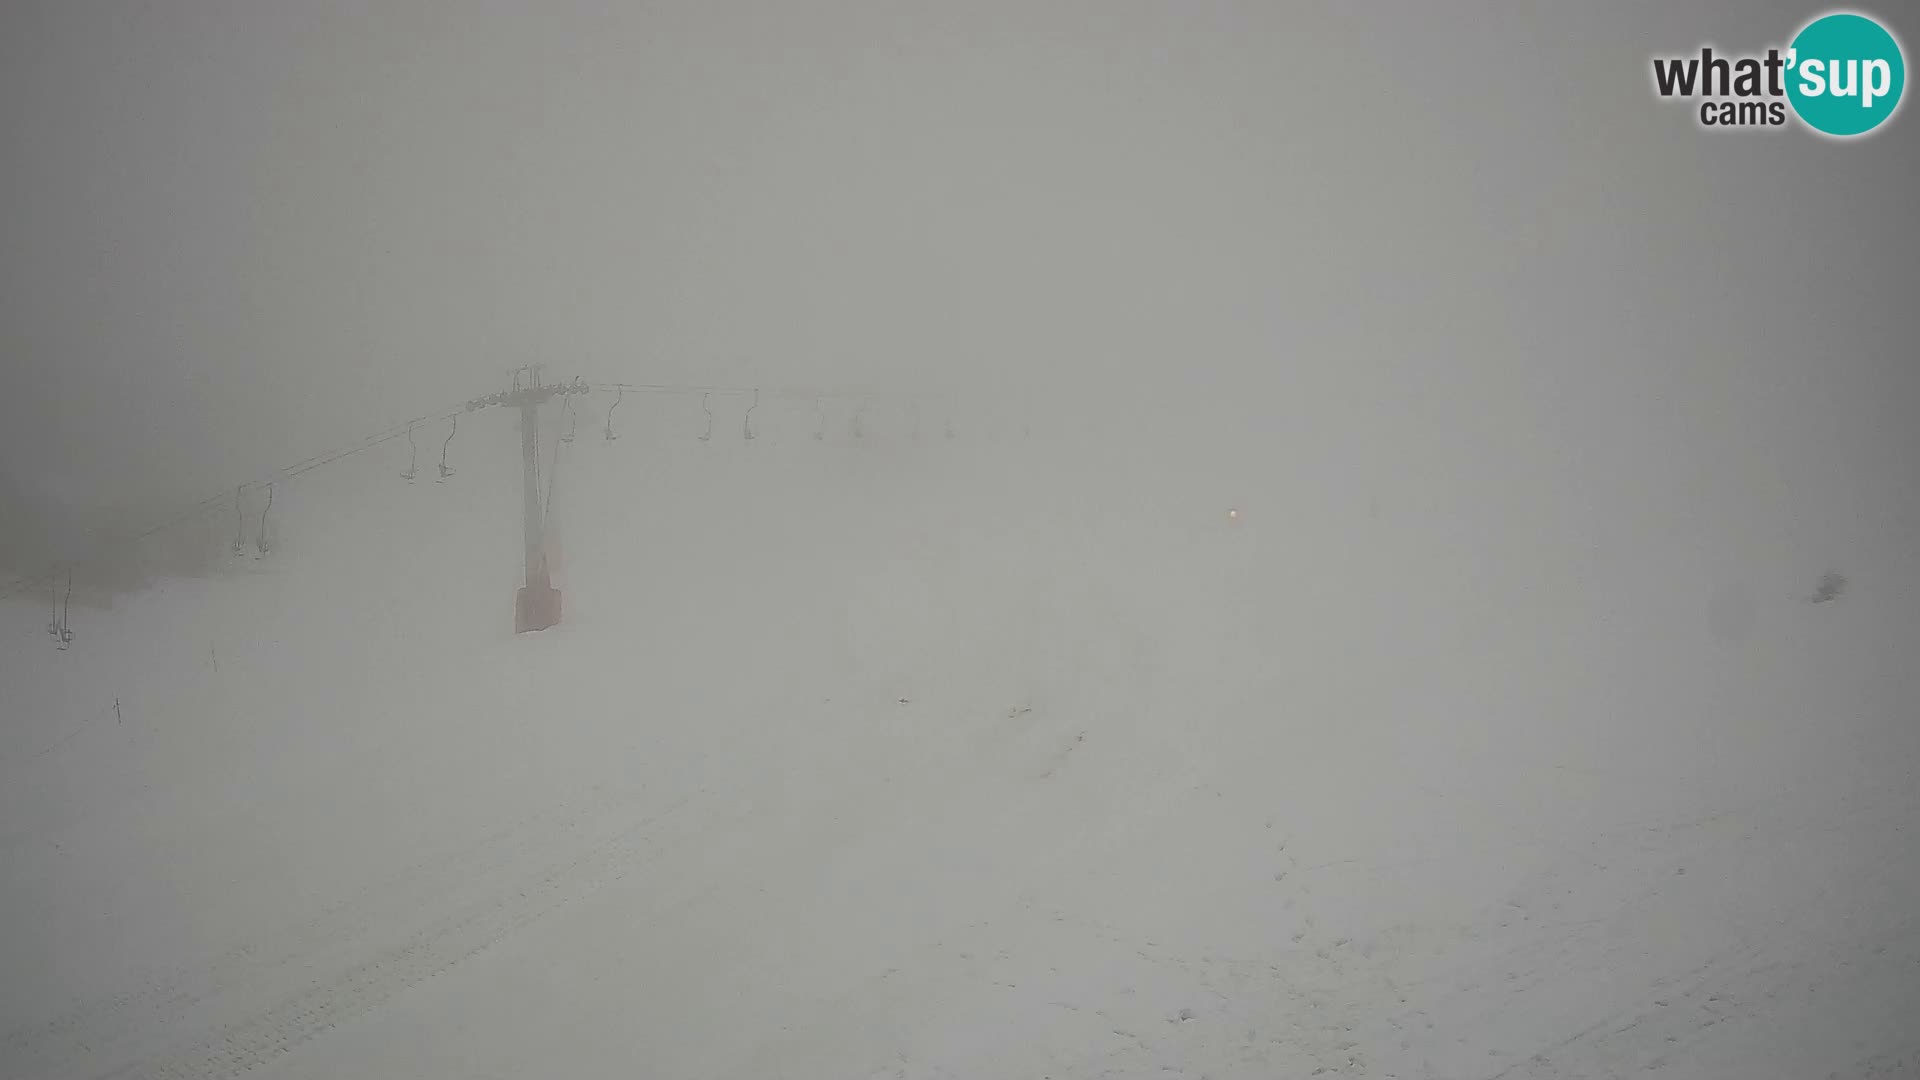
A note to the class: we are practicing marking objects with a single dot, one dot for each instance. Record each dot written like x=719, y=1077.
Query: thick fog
x=1096, y=540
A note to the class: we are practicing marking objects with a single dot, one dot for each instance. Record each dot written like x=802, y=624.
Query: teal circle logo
x=1845, y=74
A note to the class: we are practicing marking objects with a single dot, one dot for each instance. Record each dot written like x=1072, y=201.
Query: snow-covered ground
x=989, y=758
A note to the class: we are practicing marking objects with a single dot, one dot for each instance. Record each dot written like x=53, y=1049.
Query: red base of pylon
x=535, y=607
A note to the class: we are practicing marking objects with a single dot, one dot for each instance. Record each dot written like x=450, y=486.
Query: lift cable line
x=215, y=502
x=537, y=603
x=798, y=393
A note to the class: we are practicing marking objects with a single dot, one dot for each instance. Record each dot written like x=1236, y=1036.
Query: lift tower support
x=536, y=605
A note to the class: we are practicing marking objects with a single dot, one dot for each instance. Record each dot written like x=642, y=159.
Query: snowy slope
x=987, y=758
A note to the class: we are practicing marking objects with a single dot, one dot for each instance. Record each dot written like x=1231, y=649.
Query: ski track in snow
x=165, y=998
x=487, y=884
x=341, y=963
x=1390, y=1005
x=1324, y=1004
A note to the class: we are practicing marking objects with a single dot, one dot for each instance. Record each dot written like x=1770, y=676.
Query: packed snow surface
x=958, y=758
